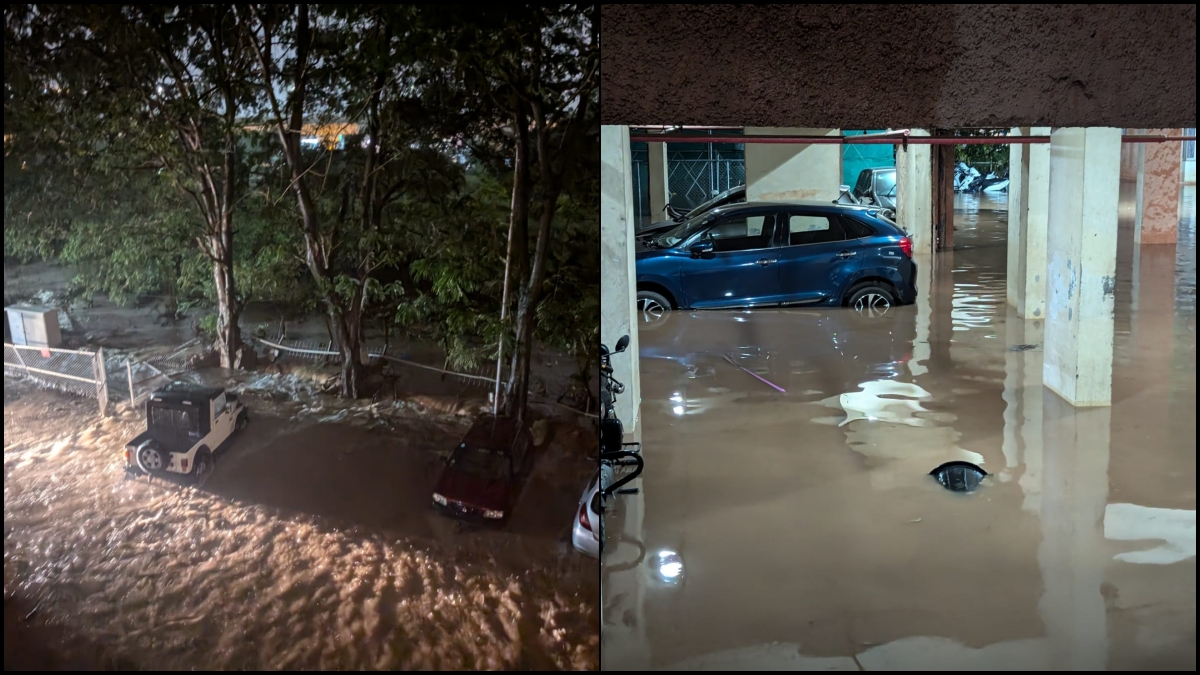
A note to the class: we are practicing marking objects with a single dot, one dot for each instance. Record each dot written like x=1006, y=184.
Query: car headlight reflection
x=439, y=499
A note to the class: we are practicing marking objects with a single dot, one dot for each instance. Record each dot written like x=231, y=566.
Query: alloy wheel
x=651, y=310
x=872, y=304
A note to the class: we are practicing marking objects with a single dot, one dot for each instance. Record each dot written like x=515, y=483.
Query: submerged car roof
x=808, y=204
x=179, y=391
x=493, y=433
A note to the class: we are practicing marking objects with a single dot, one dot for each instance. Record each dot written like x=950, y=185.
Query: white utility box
x=34, y=326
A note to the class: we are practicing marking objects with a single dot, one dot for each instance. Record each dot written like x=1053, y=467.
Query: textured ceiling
x=878, y=66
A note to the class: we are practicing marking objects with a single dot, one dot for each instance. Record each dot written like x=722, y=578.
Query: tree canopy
x=384, y=163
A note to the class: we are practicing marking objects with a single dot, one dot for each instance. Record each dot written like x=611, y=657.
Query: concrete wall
x=1157, y=220
x=930, y=66
x=618, y=278
x=779, y=172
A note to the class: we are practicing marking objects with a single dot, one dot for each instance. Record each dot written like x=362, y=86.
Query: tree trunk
x=350, y=346
x=229, y=310
x=531, y=295
x=229, y=334
x=518, y=239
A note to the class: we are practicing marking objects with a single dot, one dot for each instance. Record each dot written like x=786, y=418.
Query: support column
x=914, y=196
x=1081, y=263
x=660, y=186
x=618, y=279
x=791, y=172
x=1159, y=172
x=1028, y=203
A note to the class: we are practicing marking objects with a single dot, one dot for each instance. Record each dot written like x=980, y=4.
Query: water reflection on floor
x=805, y=532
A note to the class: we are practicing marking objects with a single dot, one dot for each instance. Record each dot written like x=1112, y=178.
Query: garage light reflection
x=677, y=399
x=668, y=566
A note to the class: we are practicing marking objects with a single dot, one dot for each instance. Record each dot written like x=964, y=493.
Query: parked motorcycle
x=969, y=180
x=615, y=453
x=964, y=176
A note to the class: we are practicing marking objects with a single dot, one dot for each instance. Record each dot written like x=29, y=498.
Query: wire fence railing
x=692, y=182
x=77, y=372
x=481, y=377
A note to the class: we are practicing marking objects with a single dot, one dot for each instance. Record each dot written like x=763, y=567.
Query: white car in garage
x=587, y=534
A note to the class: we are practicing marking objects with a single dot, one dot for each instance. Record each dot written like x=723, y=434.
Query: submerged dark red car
x=484, y=474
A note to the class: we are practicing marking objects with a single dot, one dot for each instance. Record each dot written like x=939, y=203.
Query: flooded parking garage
x=788, y=483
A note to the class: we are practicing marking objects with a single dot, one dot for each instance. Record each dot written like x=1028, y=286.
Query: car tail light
x=906, y=246
x=128, y=455
x=183, y=464
x=583, y=518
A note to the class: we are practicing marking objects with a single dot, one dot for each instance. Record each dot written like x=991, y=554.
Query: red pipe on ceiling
x=875, y=139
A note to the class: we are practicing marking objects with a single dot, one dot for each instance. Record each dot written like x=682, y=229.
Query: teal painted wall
x=855, y=158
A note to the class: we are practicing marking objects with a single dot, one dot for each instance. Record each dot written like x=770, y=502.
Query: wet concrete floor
x=801, y=530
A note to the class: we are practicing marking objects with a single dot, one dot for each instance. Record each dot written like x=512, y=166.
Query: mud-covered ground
x=312, y=545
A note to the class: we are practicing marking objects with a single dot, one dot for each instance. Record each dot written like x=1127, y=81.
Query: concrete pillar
x=1081, y=263
x=618, y=280
x=914, y=196
x=790, y=172
x=1159, y=179
x=660, y=186
x=1028, y=201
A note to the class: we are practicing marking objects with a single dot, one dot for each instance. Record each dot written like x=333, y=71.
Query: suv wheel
x=203, y=466
x=150, y=458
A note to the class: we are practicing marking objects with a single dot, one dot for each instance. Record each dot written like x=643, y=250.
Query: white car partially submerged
x=186, y=424
x=587, y=532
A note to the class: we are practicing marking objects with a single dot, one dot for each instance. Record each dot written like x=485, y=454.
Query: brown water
x=312, y=546
x=811, y=536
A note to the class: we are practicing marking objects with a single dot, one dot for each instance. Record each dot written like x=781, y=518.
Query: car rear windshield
x=480, y=462
x=885, y=182
x=173, y=420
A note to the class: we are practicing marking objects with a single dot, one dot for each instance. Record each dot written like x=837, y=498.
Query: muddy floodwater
x=800, y=529
x=313, y=545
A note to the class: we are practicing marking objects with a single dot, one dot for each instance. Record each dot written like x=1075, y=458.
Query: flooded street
x=312, y=546
x=788, y=455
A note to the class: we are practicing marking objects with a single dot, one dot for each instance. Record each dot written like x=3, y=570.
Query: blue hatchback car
x=760, y=254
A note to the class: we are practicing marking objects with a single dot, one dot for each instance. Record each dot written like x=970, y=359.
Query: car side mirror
x=701, y=248
x=622, y=343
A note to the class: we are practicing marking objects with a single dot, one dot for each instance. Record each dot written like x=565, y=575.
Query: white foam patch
x=1176, y=528
x=870, y=404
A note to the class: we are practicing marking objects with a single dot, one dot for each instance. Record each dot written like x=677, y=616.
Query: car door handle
x=764, y=262
x=847, y=254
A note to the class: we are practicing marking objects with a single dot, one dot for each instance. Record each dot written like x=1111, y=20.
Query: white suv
x=186, y=424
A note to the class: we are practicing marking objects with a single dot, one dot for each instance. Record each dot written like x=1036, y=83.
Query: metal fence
x=696, y=173
x=135, y=379
x=78, y=372
x=692, y=182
